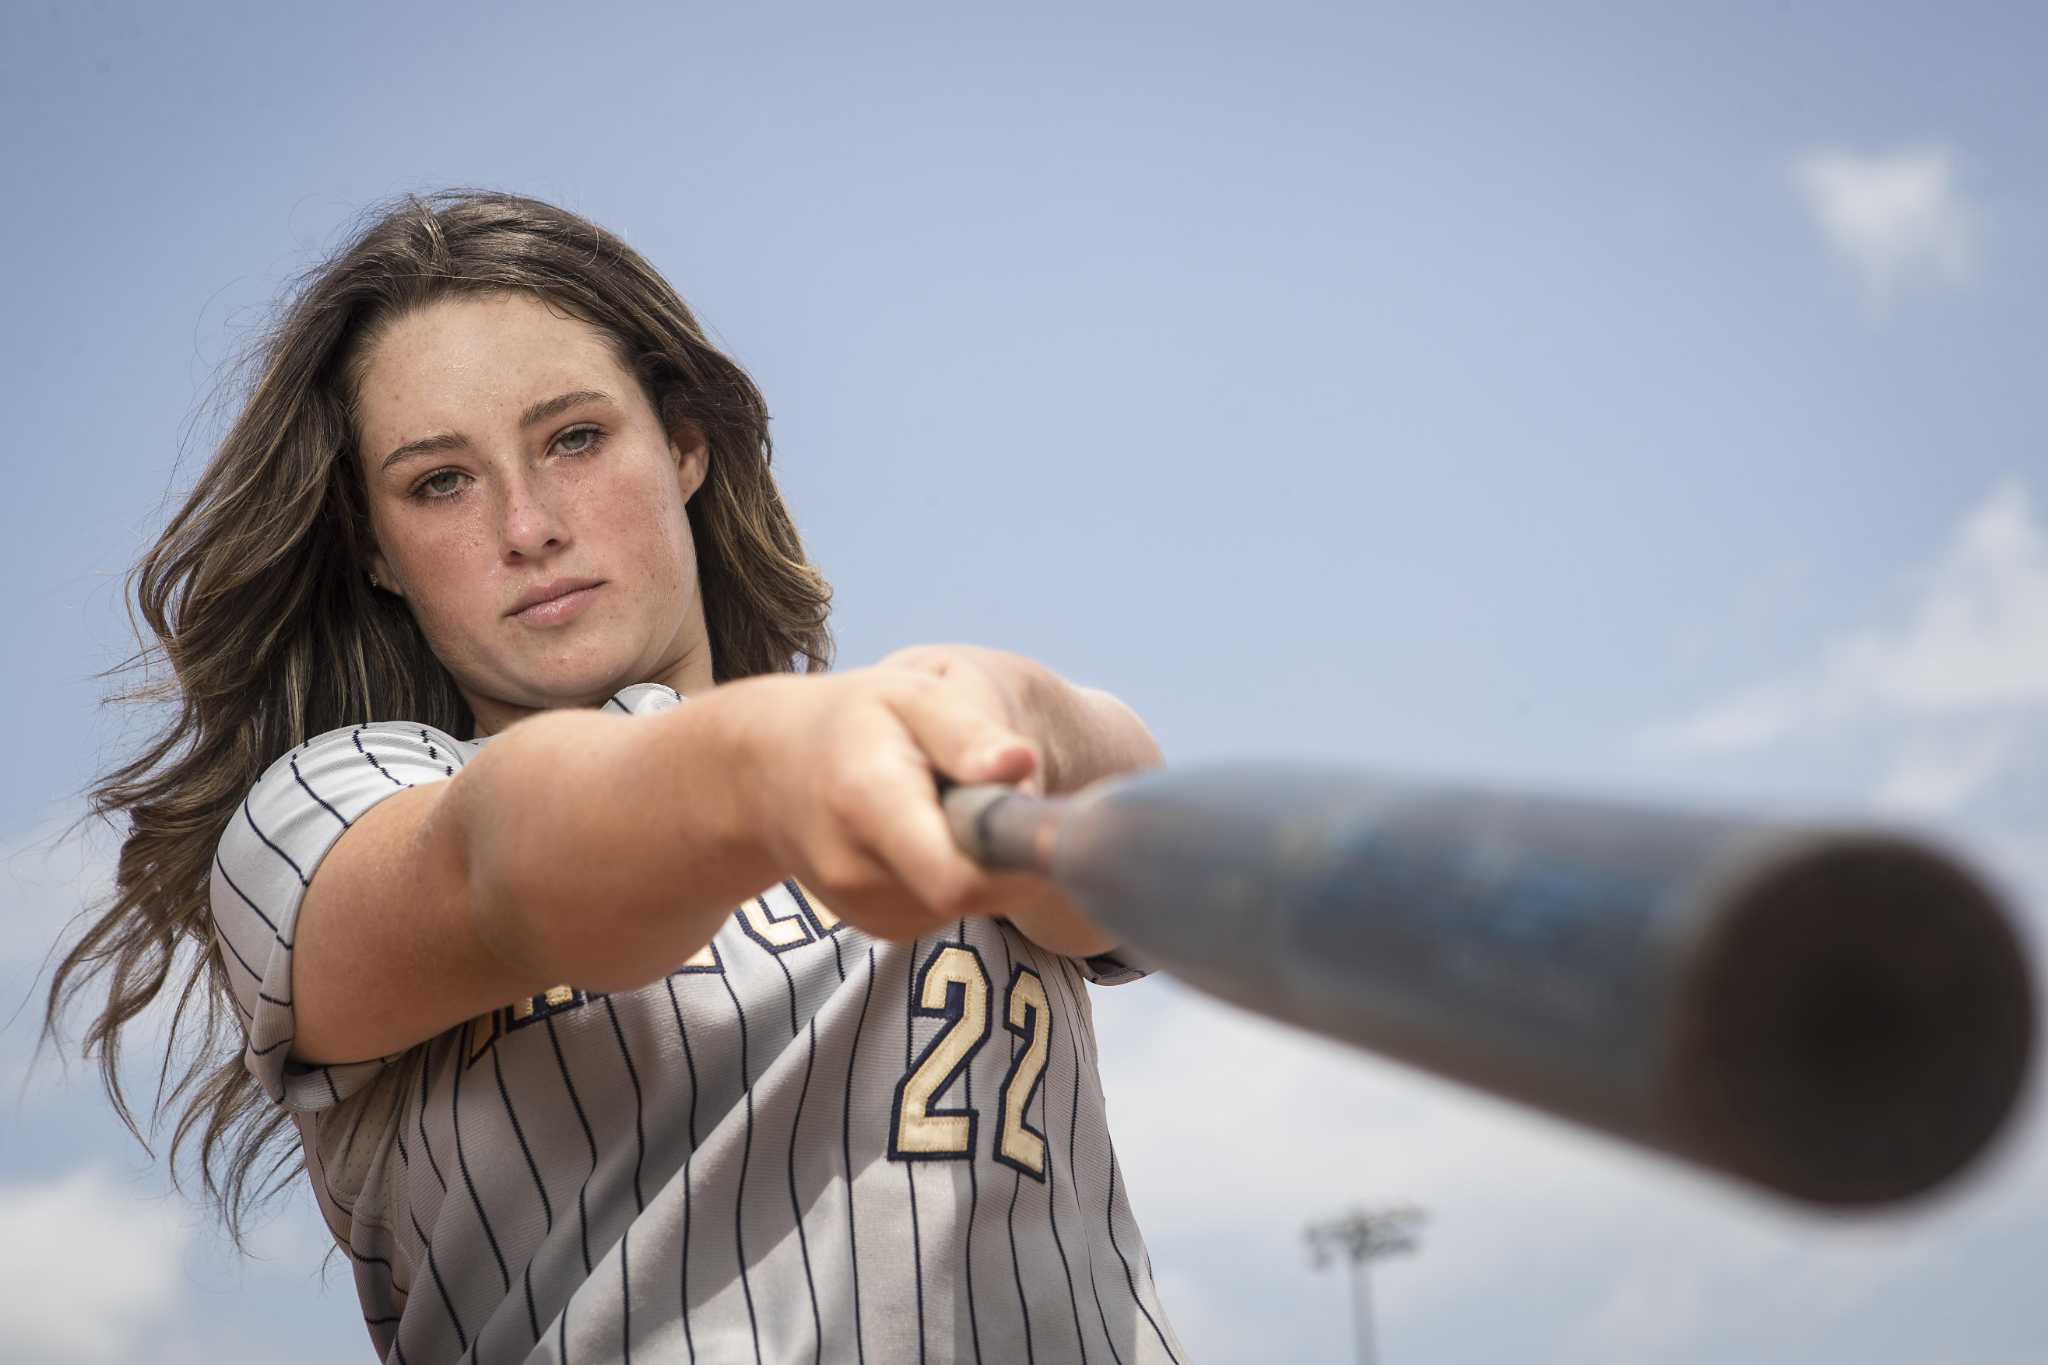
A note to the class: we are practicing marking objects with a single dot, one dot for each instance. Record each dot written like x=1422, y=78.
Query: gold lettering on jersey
x=705, y=960
x=547, y=1002
x=955, y=986
x=821, y=913
x=479, y=1033
x=1030, y=1018
x=484, y=1030
x=775, y=931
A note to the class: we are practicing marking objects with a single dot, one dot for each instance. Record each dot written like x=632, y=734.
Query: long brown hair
x=256, y=599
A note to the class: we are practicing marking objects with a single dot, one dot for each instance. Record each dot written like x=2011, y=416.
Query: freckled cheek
x=657, y=534
x=447, y=572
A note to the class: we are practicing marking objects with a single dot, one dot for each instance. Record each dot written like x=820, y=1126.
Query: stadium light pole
x=1360, y=1238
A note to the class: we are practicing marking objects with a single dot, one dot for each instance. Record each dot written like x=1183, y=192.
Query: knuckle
x=914, y=684
x=842, y=878
x=929, y=658
x=950, y=897
x=846, y=792
x=880, y=908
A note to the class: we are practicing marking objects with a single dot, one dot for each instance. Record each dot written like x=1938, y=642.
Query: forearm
x=586, y=848
x=606, y=852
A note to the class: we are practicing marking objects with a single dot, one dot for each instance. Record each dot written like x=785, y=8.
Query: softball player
x=623, y=988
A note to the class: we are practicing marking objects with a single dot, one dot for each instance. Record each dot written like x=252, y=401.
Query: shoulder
x=358, y=763
x=314, y=791
x=275, y=838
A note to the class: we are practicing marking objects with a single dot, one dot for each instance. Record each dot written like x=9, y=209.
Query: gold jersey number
x=954, y=986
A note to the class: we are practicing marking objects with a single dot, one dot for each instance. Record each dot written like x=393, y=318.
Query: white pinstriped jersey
x=803, y=1144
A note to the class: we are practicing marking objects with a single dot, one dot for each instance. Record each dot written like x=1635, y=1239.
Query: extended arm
x=580, y=847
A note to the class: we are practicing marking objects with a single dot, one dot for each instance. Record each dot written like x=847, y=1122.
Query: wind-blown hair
x=257, y=599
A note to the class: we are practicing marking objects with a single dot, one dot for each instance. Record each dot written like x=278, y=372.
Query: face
x=529, y=507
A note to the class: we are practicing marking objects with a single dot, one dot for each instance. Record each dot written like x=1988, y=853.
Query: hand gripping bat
x=1841, y=1016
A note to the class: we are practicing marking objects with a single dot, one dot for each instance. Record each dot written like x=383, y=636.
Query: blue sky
x=1637, y=402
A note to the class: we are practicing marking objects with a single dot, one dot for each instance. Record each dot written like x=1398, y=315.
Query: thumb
x=1013, y=762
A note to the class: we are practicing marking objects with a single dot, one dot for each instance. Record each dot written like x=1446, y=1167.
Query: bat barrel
x=1841, y=1016
x=1851, y=1022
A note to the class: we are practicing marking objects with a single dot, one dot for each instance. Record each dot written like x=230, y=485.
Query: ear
x=692, y=455
x=379, y=570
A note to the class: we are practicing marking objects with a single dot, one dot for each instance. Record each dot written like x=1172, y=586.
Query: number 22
x=954, y=985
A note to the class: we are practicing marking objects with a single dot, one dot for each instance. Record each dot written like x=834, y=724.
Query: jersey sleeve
x=264, y=862
x=1112, y=968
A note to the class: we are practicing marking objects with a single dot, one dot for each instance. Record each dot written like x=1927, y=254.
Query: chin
x=581, y=682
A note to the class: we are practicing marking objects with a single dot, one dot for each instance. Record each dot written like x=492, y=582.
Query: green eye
x=441, y=484
x=579, y=440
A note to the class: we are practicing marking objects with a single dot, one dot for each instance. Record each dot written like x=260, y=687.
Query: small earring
x=373, y=580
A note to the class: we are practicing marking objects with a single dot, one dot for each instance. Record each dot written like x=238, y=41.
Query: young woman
x=622, y=984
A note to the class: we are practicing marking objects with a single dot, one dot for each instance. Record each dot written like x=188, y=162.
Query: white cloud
x=1748, y=720
x=1933, y=775
x=1979, y=633
x=89, y=1268
x=1896, y=219
x=1947, y=690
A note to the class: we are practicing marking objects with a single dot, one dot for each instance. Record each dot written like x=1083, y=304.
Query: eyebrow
x=533, y=416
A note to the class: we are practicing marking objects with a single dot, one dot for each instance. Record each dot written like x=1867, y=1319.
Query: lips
x=554, y=601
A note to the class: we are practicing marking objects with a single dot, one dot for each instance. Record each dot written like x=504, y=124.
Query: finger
x=964, y=743
x=866, y=893
x=915, y=844
x=901, y=825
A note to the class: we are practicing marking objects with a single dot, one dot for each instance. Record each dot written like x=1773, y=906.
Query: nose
x=529, y=526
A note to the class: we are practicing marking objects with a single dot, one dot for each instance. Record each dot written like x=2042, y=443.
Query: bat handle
x=1000, y=827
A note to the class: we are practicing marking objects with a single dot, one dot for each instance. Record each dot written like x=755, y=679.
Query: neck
x=692, y=675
